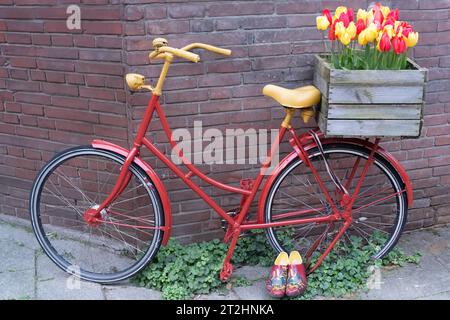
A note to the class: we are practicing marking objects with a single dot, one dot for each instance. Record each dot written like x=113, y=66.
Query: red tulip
x=378, y=19
x=327, y=14
x=345, y=19
x=407, y=29
x=399, y=45
x=360, y=26
x=385, y=43
x=389, y=21
x=351, y=14
x=394, y=15
x=332, y=31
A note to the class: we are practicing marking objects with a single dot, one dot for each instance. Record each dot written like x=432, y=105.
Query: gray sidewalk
x=27, y=273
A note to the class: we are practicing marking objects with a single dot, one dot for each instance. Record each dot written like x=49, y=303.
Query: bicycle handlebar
x=161, y=49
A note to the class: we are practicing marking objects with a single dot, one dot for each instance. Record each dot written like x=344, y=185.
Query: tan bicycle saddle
x=299, y=98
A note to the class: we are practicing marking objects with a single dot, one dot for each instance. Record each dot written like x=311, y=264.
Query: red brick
x=73, y=114
x=61, y=53
x=100, y=55
x=84, y=41
x=99, y=68
x=58, y=65
x=13, y=107
x=75, y=78
x=19, y=74
x=76, y=103
x=23, y=62
x=214, y=80
x=232, y=9
x=24, y=26
x=32, y=98
x=75, y=126
x=62, y=41
x=101, y=13
x=63, y=89
x=37, y=75
x=19, y=38
x=55, y=76
x=234, y=66
x=32, y=109
x=133, y=13
x=30, y=121
x=41, y=39
x=97, y=93
x=167, y=27
x=18, y=85
x=102, y=27
x=32, y=132
x=155, y=12
x=187, y=11
x=109, y=42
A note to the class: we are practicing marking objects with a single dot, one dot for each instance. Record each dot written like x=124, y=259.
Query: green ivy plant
x=182, y=271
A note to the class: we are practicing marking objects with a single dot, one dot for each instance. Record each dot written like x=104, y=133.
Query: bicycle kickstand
x=227, y=268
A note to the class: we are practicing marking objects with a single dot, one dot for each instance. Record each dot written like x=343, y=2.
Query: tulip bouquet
x=378, y=40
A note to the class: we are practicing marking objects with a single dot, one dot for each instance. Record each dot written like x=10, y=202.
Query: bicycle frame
x=249, y=187
x=238, y=223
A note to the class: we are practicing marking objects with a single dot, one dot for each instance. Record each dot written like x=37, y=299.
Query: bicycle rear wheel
x=379, y=213
x=113, y=249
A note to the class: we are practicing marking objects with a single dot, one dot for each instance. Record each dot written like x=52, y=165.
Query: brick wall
x=60, y=87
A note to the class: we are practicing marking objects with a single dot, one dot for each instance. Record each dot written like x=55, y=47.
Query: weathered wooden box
x=370, y=103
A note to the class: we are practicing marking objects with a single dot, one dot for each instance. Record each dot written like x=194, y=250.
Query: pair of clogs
x=288, y=276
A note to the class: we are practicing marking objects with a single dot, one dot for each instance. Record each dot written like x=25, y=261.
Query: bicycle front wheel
x=379, y=213
x=122, y=242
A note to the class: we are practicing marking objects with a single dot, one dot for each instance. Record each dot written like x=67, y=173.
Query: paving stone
x=256, y=291
x=229, y=295
x=437, y=296
x=17, y=285
x=68, y=289
x=15, y=257
x=130, y=293
x=21, y=235
x=252, y=272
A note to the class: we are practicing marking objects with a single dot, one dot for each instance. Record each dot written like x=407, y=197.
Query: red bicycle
x=102, y=213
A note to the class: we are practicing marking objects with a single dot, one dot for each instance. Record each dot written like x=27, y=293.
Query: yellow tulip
x=389, y=30
x=362, y=38
x=412, y=39
x=322, y=23
x=345, y=38
x=340, y=10
x=351, y=29
x=362, y=14
x=371, y=33
x=370, y=17
x=340, y=29
x=385, y=11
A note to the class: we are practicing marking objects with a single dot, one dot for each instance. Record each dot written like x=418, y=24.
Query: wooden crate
x=370, y=103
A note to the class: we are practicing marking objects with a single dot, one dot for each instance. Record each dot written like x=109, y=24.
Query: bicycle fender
x=311, y=145
x=158, y=185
